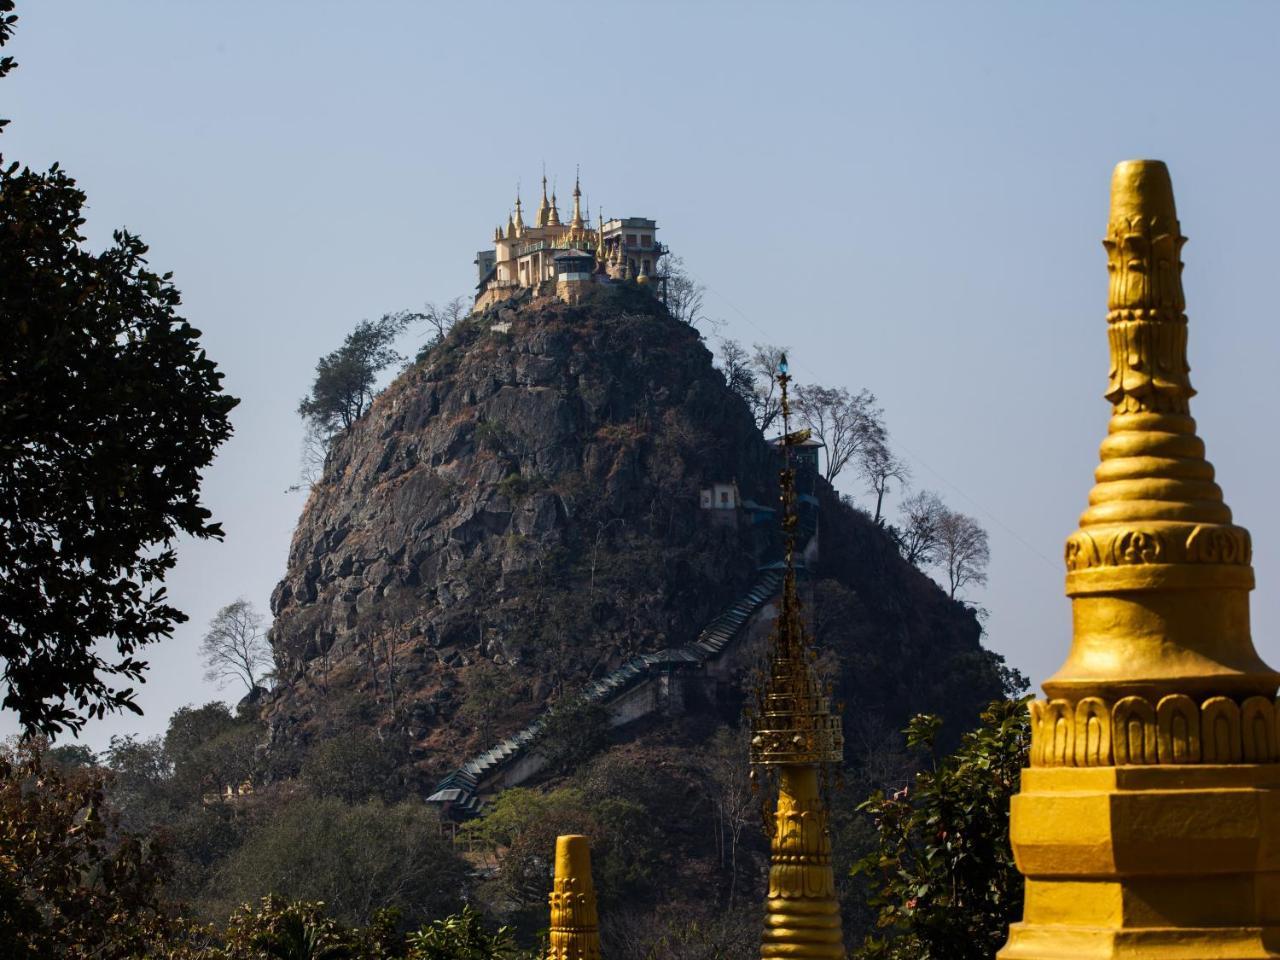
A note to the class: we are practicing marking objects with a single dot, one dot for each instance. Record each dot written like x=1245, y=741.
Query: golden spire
x=795, y=733
x=575, y=927
x=519, y=220
x=576, y=222
x=555, y=211
x=1155, y=760
x=600, y=254
x=544, y=208
x=1157, y=573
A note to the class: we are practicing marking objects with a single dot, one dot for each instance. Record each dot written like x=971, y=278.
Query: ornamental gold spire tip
x=1158, y=574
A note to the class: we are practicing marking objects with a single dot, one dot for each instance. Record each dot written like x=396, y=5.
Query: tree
x=767, y=406
x=345, y=378
x=440, y=319
x=752, y=377
x=461, y=937
x=72, y=883
x=356, y=859
x=729, y=780
x=235, y=647
x=109, y=413
x=920, y=527
x=944, y=883
x=879, y=466
x=683, y=294
x=846, y=423
x=962, y=551
x=735, y=364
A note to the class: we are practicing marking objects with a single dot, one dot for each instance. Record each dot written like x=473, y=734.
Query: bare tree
x=962, y=551
x=235, y=647
x=440, y=319
x=752, y=377
x=766, y=358
x=880, y=466
x=735, y=364
x=682, y=293
x=919, y=530
x=845, y=423
x=731, y=796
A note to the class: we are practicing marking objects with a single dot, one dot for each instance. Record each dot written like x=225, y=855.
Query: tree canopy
x=109, y=413
x=344, y=384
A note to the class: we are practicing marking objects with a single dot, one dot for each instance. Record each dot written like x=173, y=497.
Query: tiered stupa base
x=1169, y=862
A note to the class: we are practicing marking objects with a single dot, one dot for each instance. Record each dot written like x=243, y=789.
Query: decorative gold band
x=1095, y=733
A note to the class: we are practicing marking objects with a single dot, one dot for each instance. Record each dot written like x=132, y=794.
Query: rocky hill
x=518, y=515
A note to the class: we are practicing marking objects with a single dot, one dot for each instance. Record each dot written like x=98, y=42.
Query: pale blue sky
x=911, y=196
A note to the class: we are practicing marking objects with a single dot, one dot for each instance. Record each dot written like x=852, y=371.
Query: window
x=631, y=239
x=645, y=239
x=724, y=498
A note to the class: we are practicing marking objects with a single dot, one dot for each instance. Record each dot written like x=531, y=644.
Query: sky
x=909, y=196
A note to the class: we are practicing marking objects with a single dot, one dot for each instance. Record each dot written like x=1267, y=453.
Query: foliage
x=573, y=729
x=235, y=646
x=879, y=466
x=280, y=929
x=441, y=318
x=847, y=424
x=355, y=858
x=681, y=292
x=461, y=937
x=354, y=765
x=944, y=882
x=753, y=377
x=344, y=383
x=109, y=413
x=72, y=884
x=963, y=553
x=918, y=531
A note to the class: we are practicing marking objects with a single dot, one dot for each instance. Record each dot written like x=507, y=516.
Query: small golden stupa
x=575, y=927
x=795, y=735
x=1148, y=824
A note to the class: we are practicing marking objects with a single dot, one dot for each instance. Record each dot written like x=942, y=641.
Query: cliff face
x=519, y=513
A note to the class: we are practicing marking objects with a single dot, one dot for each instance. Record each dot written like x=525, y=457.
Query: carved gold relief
x=1093, y=733
x=1206, y=543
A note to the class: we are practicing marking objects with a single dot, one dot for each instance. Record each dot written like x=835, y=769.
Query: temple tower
x=1148, y=824
x=797, y=738
x=575, y=927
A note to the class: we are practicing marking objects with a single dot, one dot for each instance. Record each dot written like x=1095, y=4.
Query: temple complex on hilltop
x=553, y=258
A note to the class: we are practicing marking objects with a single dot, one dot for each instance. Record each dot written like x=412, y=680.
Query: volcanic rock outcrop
x=519, y=513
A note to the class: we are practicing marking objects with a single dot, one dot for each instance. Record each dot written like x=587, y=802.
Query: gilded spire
x=795, y=733
x=575, y=927
x=544, y=208
x=555, y=211
x=577, y=222
x=1158, y=574
x=518, y=223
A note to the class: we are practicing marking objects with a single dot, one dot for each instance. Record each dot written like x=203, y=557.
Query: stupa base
x=1175, y=862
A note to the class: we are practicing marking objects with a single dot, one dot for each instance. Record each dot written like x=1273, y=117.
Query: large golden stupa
x=1148, y=824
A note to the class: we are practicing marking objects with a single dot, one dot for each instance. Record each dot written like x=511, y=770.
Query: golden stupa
x=795, y=735
x=1148, y=824
x=575, y=928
